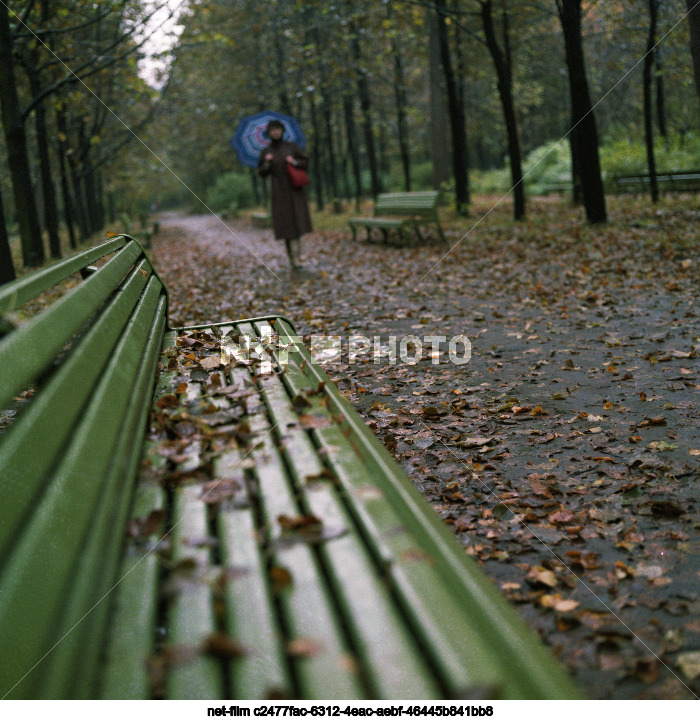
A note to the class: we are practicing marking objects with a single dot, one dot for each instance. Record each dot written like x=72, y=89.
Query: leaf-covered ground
x=565, y=453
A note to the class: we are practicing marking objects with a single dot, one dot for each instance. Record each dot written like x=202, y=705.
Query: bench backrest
x=78, y=379
x=423, y=203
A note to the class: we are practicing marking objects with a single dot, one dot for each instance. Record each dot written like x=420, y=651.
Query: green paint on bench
x=269, y=546
x=405, y=213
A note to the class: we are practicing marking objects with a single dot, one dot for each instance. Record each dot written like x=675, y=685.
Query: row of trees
x=462, y=83
x=382, y=87
x=71, y=100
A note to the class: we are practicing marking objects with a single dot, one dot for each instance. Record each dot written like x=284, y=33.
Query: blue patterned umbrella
x=251, y=135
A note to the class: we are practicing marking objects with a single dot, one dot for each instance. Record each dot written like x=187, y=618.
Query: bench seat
x=267, y=546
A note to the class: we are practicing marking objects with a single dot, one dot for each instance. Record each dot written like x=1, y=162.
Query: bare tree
x=584, y=131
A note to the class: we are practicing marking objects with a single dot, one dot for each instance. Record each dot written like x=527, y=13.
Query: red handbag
x=298, y=176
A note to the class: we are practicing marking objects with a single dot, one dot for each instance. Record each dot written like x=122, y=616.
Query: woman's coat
x=290, y=211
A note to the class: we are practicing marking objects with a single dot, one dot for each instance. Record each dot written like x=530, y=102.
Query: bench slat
x=105, y=544
x=24, y=289
x=39, y=570
x=135, y=608
x=395, y=666
x=41, y=338
x=322, y=663
x=22, y=469
x=191, y=618
x=250, y=613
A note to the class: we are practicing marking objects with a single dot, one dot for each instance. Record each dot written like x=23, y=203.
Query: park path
x=564, y=454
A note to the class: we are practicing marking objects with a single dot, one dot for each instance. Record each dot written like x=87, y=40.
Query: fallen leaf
x=280, y=577
x=309, y=422
x=303, y=647
x=689, y=664
x=223, y=646
x=539, y=576
x=474, y=442
x=308, y=522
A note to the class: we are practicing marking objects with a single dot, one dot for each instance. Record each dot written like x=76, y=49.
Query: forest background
x=468, y=95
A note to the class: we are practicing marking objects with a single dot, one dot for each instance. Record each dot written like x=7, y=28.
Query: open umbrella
x=251, y=135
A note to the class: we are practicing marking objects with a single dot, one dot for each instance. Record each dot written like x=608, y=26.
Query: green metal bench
x=266, y=546
x=681, y=181
x=404, y=213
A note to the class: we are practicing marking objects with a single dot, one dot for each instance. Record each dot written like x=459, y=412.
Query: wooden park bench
x=249, y=539
x=681, y=181
x=405, y=213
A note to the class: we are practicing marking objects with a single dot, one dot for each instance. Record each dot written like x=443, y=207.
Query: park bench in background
x=268, y=546
x=405, y=213
x=261, y=219
x=680, y=181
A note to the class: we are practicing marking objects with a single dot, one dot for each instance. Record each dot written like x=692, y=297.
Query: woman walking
x=290, y=211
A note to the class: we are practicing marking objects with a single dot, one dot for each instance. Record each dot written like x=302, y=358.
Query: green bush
x=230, y=191
x=624, y=157
x=487, y=182
x=547, y=165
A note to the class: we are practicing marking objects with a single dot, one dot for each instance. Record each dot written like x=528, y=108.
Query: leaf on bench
x=309, y=422
x=308, y=522
x=144, y=526
x=303, y=647
x=280, y=577
x=217, y=491
x=223, y=646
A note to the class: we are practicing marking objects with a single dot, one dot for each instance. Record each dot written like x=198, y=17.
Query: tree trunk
x=648, y=110
x=660, y=94
x=586, y=142
x=439, y=149
x=17, y=156
x=366, y=108
x=7, y=268
x=456, y=112
x=68, y=212
x=401, y=114
x=48, y=191
x=79, y=202
x=318, y=165
x=694, y=21
x=504, y=71
x=352, y=147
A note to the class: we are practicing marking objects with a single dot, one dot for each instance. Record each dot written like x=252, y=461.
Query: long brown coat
x=290, y=211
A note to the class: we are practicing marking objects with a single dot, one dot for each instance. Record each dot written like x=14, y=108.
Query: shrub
x=230, y=190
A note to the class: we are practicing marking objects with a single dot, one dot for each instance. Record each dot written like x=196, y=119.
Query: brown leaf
x=303, y=647
x=223, y=646
x=280, y=577
x=308, y=522
x=656, y=421
x=167, y=401
x=309, y=422
x=561, y=517
x=145, y=525
x=219, y=490
x=539, y=576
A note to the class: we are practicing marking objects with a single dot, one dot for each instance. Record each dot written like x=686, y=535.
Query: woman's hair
x=274, y=123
